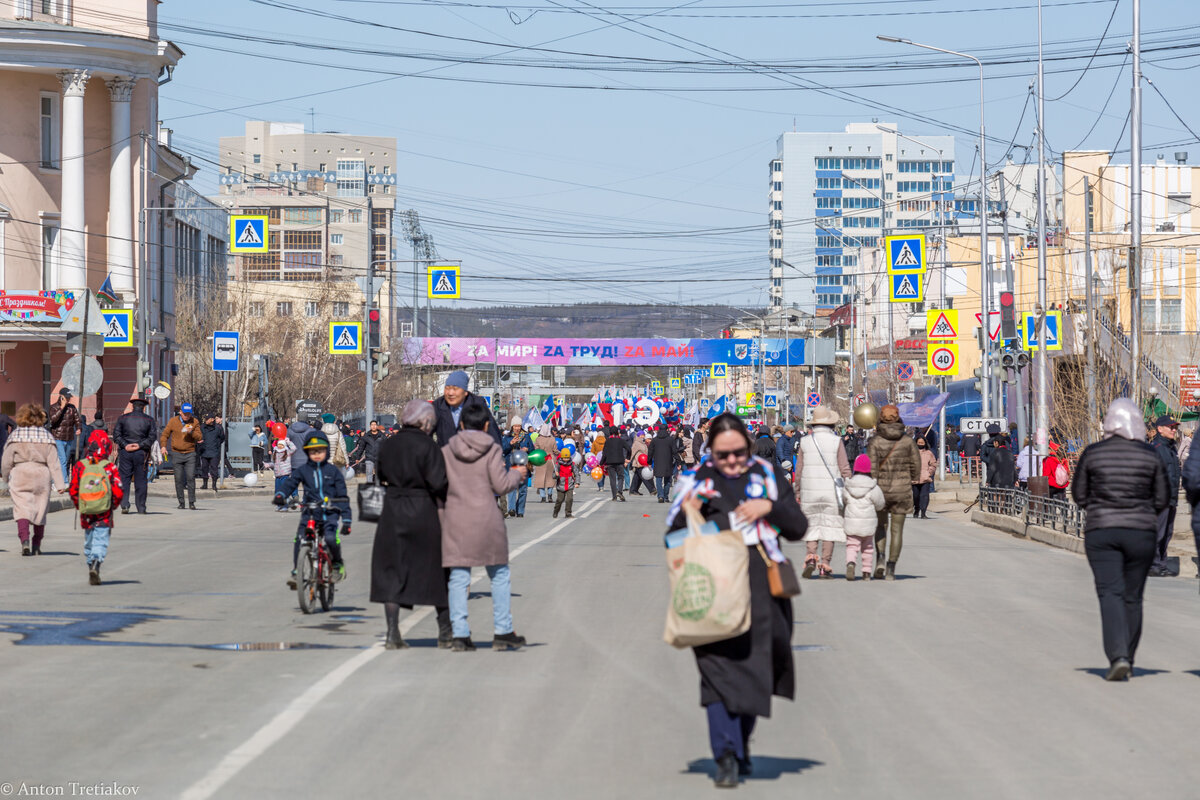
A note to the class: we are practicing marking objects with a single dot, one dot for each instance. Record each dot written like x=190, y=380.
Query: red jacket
x=566, y=475
x=99, y=448
x=1050, y=465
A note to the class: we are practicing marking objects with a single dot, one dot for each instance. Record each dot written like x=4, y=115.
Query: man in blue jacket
x=516, y=441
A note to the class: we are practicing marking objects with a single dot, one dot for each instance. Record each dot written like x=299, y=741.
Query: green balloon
x=537, y=457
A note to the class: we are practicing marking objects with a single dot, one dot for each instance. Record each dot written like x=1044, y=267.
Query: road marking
x=291, y=716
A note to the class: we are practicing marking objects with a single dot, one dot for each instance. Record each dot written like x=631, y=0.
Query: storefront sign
x=49, y=306
x=911, y=344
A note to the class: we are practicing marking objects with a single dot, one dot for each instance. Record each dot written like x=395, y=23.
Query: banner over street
x=603, y=352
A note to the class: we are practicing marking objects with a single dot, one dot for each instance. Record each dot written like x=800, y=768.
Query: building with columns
x=79, y=158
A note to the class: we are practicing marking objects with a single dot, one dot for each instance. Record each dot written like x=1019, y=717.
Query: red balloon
x=642, y=460
x=280, y=430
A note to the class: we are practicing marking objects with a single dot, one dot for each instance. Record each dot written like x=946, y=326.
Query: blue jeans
x=516, y=499
x=65, y=449
x=955, y=461
x=460, y=586
x=663, y=485
x=95, y=546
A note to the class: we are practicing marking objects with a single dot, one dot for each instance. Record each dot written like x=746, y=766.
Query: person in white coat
x=864, y=501
x=821, y=468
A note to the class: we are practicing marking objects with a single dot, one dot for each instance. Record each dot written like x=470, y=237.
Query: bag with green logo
x=710, y=584
x=95, y=491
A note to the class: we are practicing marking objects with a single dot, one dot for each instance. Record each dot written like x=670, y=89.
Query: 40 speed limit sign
x=943, y=358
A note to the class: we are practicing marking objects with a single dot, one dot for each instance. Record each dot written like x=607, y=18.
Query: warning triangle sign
x=942, y=329
x=115, y=331
x=249, y=236
x=444, y=285
x=345, y=340
x=906, y=258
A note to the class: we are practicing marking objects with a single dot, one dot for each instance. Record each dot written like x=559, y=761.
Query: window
x=351, y=177
x=861, y=183
x=321, y=166
x=1171, y=319
x=312, y=340
x=829, y=202
x=913, y=186
x=50, y=254
x=272, y=214
x=258, y=158
x=336, y=260
x=336, y=215
x=302, y=216
x=283, y=308
x=777, y=205
x=256, y=309
x=828, y=183
x=312, y=308
x=341, y=310
x=829, y=299
x=776, y=166
x=860, y=202
x=860, y=222
x=301, y=240
x=50, y=133
x=379, y=217
x=777, y=186
x=354, y=215
x=335, y=238
x=829, y=163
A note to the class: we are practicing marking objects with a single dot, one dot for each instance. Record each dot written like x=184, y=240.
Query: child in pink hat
x=864, y=500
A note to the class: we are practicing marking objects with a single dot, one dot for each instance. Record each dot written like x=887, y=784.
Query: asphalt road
x=976, y=675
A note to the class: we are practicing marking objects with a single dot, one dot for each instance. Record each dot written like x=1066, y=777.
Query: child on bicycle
x=321, y=481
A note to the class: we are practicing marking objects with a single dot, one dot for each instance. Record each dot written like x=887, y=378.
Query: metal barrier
x=970, y=470
x=1045, y=512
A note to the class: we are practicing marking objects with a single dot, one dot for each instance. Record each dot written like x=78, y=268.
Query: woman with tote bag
x=738, y=676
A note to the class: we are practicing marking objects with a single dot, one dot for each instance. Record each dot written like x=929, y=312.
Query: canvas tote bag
x=710, y=584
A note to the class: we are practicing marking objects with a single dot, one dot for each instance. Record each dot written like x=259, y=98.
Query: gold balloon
x=866, y=415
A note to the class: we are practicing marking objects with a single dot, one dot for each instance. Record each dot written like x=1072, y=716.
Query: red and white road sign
x=1189, y=382
x=993, y=328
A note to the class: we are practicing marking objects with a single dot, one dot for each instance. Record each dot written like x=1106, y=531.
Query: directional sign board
x=905, y=253
x=980, y=424
x=943, y=358
x=226, y=347
x=443, y=283
x=941, y=323
x=1030, y=336
x=770, y=401
x=248, y=233
x=904, y=371
x=906, y=287
x=720, y=370
x=118, y=327
x=814, y=400
x=345, y=338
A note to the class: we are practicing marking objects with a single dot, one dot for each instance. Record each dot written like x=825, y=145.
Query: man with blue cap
x=179, y=438
x=450, y=405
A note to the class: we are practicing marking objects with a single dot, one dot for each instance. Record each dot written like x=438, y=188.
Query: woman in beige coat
x=31, y=467
x=544, y=479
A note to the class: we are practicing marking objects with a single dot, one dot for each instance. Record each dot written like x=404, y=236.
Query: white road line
x=266, y=736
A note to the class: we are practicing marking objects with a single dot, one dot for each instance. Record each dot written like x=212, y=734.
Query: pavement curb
x=63, y=502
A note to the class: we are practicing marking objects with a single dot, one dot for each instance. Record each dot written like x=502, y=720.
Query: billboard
x=602, y=352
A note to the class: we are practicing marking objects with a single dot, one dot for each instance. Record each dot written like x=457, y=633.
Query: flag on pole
x=533, y=420
x=718, y=407
x=106, y=290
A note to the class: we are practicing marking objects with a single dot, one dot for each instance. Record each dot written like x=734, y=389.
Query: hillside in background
x=588, y=320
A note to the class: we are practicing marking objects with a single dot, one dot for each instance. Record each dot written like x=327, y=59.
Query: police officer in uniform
x=134, y=434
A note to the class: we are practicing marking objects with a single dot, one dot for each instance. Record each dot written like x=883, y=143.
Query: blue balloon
x=570, y=446
x=558, y=442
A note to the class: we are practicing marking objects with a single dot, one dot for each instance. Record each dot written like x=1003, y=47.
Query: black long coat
x=663, y=454
x=745, y=671
x=406, y=561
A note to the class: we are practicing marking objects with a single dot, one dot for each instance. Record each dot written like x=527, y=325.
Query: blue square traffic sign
x=248, y=233
x=906, y=253
x=443, y=283
x=226, y=348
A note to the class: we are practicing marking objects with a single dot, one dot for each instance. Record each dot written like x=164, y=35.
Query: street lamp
x=985, y=282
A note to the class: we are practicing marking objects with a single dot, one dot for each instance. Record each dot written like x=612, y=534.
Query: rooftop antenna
x=312, y=117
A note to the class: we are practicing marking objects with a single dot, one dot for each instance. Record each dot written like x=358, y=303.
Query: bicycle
x=314, y=567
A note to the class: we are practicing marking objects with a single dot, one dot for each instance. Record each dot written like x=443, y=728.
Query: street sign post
x=993, y=326
x=941, y=323
x=82, y=375
x=345, y=338
x=814, y=399
x=943, y=358
x=771, y=401
x=444, y=283
x=118, y=327
x=906, y=287
x=226, y=349
x=719, y=370
x=1029, y=333
x=905, y=253
x=980, y=424
x=248, y=233
x=904, y=371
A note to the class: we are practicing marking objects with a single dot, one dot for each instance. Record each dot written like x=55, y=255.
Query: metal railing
x=1149, y=365
x=1045, y=512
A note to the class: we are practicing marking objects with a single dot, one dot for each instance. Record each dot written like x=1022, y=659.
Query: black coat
x=764, y=447
x=136, y=427
x=616, y=451
x=663, y=454
x=367, y=448
x=1170, y=457
x=406, y=560
x=970, y=445
x=446, y=428
x=1121, y=484
x=213, y=435
x=745, y=671
x=1001, y=468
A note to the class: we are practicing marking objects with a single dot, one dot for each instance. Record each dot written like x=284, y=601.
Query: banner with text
x=602, y=352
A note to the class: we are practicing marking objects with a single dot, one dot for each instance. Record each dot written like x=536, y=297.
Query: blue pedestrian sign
x=248, y=233
x=906, y=253
x=705, y=403
x=906, y=287
x=345, y=338
x=118, y=327
x=719, y=370
x=1030, y=334
x=226, y=347
x=443, y=283
x=770, y=401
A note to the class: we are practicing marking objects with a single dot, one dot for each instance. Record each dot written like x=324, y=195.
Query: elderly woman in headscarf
x=406, y=561
x=1122, y=484
x=545, y=477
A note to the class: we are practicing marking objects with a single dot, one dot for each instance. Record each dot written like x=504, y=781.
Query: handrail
x=1045, y=512
x=1147, y=364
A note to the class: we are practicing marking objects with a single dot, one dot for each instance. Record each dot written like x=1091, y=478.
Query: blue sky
x=644, y=170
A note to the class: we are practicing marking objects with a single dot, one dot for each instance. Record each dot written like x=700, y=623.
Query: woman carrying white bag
x=737, y=491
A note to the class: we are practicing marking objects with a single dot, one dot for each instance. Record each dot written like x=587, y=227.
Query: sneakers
x=94, y=573
x=25, y=551
x=507, y=641
x=339, y=572
x=462, y=644
x=850, y=571
x=1120, y=670
x=292, y=580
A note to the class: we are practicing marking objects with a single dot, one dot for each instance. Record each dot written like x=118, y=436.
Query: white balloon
x=348, y=474
x=647, y=474
x=575, y=459
x=251, y=479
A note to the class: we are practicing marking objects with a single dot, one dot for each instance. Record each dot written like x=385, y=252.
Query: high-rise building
x=834, y=195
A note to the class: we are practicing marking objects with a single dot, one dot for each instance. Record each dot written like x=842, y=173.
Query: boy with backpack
x=96, y=491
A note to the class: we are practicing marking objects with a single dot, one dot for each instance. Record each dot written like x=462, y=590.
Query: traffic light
x=373, y=328
x=381, y=366
x=977, y=385
x=1008, y=316
x=144, y=378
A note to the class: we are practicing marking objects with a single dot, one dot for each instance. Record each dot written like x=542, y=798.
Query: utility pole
x=369, y=302
x=1090, y=373
x=1135, y=208
x=1008, y=269
x=1040, y=366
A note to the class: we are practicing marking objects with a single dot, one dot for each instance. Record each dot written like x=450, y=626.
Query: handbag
x=710, y=584
x=370, y=501
x=781, y=576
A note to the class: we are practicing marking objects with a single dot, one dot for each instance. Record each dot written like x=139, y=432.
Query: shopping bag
x=370, y=502
x=710, y=584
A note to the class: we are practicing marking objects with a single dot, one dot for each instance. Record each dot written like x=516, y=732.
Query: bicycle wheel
x=325, y=586
x=306, y=580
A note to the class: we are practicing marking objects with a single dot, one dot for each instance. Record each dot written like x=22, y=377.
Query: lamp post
x=985, y=281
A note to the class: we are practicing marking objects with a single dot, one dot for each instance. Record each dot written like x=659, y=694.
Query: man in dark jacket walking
x=663, y=456
x=450, y=405
x=367, y=450
x=1001, y=468
x=615, y=456
x=210, y=451
x=764, y=446
x=1164, y=445
x=785, y=447
x=134, y=434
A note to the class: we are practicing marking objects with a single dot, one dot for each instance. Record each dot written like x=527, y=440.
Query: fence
x=1045, y=512
x=970, y=469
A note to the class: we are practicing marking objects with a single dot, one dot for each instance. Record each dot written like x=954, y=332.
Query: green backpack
x=95, y=492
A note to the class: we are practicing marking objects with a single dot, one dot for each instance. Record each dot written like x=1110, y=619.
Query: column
x=72, y=273
x=120, y=188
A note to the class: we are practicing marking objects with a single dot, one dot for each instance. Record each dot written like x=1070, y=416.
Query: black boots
x=394, y=640
x=507, y=641
x=890, y=574
x=462, y=644
x=727, y=772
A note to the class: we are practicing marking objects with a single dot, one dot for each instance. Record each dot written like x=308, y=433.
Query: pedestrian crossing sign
x=906, y=253
x=345, y=338
x=770, y=401
x=720, y=370
x=248, y=233
x=443, y=283
x=674, y=383
x=118, y=327
x=1030, y=335
x=907, y=287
